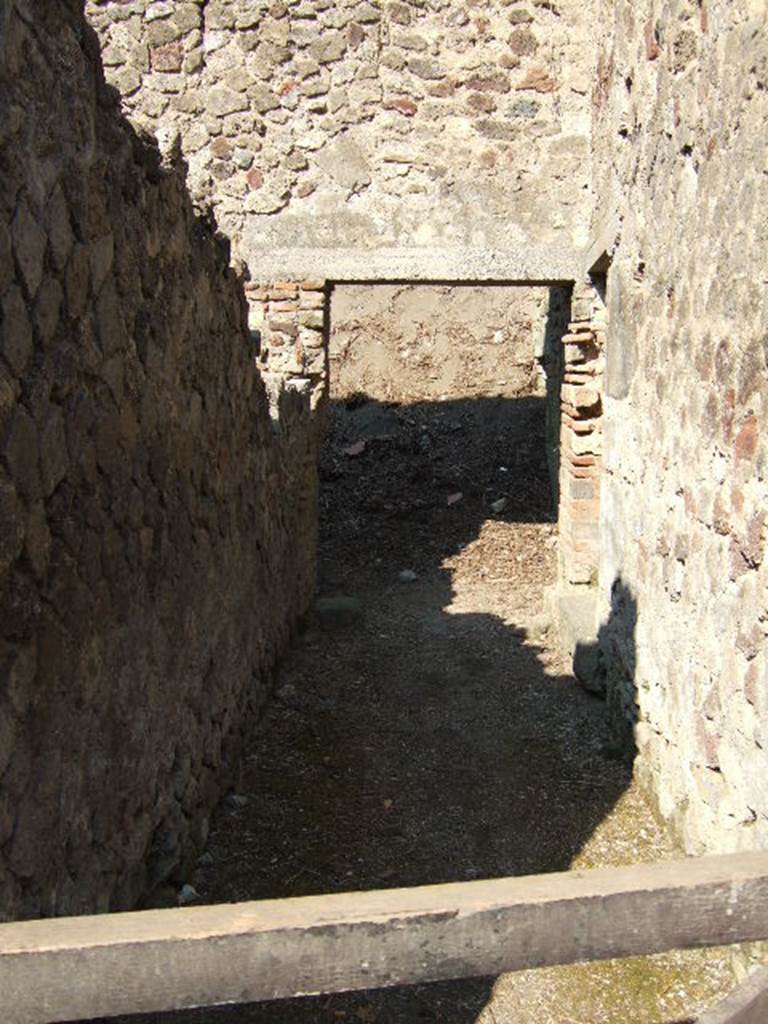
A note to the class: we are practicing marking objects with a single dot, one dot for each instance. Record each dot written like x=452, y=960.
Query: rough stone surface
x=374, y=126
x=680, y=104
x=156, y=531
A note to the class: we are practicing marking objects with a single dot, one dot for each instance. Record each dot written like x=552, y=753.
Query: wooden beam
x=747, y=1004
x=82, y=967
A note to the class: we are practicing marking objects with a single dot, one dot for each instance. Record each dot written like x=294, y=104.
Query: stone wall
x=581, y=440
x=289, y=321
x=681, y=103
x=156, y=535
x=367, y=125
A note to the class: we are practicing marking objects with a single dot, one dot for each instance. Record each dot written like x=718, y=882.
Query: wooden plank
x=71, y=968
x=747, y=1004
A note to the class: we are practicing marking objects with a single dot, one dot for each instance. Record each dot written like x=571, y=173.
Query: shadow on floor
x=425, y=734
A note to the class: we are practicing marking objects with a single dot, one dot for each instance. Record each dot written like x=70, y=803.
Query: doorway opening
x=443, y=423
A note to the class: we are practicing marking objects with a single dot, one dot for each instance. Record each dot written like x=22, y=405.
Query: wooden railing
x=82, y=967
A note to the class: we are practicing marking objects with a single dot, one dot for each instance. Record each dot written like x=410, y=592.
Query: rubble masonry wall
x=156, y=535
x=680, y=103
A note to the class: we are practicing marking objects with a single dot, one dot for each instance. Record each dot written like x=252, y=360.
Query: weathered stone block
x=15, y=330
x=60, y=236
x=29, y=243
x=167, y=58
x=432, y=70
x=328, y=48
x=47, y=309
x=223, y=101
x=11, y=525
x=22, y=454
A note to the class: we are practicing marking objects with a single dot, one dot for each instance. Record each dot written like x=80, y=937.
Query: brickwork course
x=162, y=394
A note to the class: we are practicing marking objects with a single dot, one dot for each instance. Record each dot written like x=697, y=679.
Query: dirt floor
x=425, y=729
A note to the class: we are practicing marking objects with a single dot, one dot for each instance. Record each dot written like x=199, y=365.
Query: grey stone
x=410, y=41
x=101, y=253
x=242, y=158
x=367, y=13
x=222, y=101
x=417, y=263
x=497, y=130
x=29, y=242
x=60, y=234
x=159, y=9
x=109, y=319
x=187, y=894
x=22, y=454
x=47, y=309
x=314, y=319
x=344, y=161
x=37, y=542
x=261, y=98
x=588, y=668
x=328, y=48
x=524, y=108
x=11, y=525
x=236, y=801
x=54, y=458
x=425, y=68
x=7, y=270
x=15, y=331
x=17, y=673
x=338, y=612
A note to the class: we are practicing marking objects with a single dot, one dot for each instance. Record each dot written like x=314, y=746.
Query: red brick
x=737, y=560
x=403, y=104
x=489, y=83
x=751, y=679
x=584, y=511
x=729, y=404
x=747, y=438
x=537, y=80
x=481, y=103
x=442, y=89
x=754, y=540
x=652, y=50
x=168, y=58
